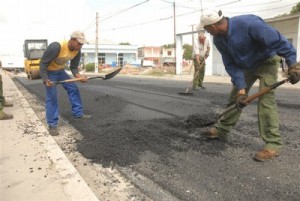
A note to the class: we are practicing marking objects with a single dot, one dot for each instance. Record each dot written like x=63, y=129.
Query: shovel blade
x=186, y=93
x=112, y=74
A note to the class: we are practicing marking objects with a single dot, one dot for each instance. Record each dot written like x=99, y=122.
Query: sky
x=138, y=22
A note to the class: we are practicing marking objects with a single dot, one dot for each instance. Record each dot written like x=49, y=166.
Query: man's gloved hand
x=294, y=73
x=240, y=101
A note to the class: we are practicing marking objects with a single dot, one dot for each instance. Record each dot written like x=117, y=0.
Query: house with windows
x=167, y=56
x=156, y=55
x=149, y=56
x=109, y=55
x=112, y=55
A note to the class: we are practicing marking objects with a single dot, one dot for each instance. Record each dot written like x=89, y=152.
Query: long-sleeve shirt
x=248, y=43
x=51, y=54
x=201, y=49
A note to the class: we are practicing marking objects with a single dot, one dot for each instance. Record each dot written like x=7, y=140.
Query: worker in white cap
x=201, y=50
x=251, y=50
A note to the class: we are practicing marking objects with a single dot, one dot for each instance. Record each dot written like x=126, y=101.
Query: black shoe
x=202, y=87
x=85, y=116
x=53, y=131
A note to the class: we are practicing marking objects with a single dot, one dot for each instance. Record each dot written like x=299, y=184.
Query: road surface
x=145, y=130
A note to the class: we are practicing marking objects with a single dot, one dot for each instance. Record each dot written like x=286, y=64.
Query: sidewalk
x=32, y=166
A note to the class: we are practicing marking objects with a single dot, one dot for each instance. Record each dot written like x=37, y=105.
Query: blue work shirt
x=249, y=42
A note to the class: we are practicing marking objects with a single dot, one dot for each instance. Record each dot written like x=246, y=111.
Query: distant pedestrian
x=201, y=50
x=251, y=50
x=52, y=70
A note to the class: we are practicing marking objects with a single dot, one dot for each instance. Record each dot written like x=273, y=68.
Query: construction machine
x=33, y=52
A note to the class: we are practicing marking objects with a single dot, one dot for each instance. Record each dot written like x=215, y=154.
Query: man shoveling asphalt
x=251, y=50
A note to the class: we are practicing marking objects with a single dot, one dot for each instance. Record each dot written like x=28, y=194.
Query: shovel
x=104, y=77
x=248, y=100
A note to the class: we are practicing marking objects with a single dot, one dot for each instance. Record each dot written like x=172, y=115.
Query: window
x=101, y=58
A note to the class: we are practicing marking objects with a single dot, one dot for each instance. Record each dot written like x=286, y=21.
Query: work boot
x=85, y=116
x=211, y=133
x=202, y=87
x=4, y=116
x=53, y=131
x=7, y=104
x=265, y=155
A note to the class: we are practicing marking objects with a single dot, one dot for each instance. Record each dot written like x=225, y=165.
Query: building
x=149, y=56
x=167, y=56
x=156, y=56
x=110, y=54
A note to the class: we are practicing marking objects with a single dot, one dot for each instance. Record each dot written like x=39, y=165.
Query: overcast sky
x=138, y=22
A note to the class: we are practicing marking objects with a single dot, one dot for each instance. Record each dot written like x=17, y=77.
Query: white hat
x=79, y=35
x=209, y=17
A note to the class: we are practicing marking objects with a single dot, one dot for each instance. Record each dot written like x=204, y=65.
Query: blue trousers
x=52, y=109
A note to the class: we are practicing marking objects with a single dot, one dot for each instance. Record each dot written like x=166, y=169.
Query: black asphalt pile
x=201, y=120
x=123, y=144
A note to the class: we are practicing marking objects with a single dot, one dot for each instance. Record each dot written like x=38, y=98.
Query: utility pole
x=174, y=14
x=201, y=5
x=193, y=39
x=96, y=45
x=174, y=20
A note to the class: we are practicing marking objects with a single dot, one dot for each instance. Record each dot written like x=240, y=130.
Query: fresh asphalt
x=142, y=127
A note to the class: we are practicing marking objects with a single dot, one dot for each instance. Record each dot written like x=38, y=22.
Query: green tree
x=124, y=43
x=296, y=9
x=168, y=45
x=188, y=51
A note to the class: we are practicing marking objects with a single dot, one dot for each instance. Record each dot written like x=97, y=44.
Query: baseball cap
x=209, y=17
x=79, y=35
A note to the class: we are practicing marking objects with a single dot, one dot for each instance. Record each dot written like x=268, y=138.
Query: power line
x=257, y=11
x=256, y=4
x=138, y=24
x=123, y=10
x=228, y=3
x=89, y=26
x=189, y=13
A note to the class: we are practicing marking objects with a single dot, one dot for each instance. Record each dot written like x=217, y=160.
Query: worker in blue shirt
x=251, y=50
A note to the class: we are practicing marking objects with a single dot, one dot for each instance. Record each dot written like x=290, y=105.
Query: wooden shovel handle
x=249, y=99
x=74, y=79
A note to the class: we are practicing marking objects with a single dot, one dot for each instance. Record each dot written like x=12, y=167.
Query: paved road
x=149, y=133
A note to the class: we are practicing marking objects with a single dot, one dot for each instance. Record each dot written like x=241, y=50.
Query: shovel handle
x=249, y=99
x=69, y=80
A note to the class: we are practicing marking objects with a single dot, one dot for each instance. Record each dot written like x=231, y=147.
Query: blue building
x=110, y=55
